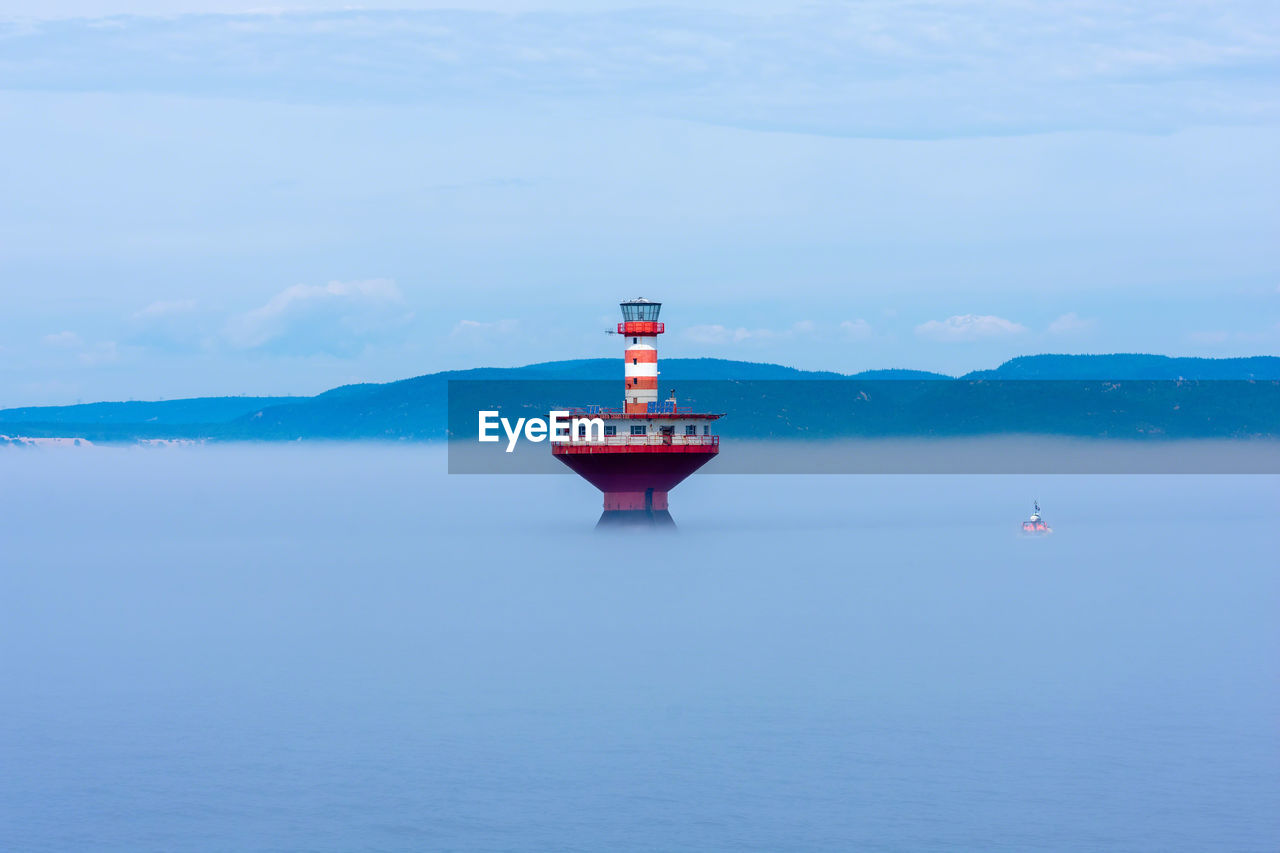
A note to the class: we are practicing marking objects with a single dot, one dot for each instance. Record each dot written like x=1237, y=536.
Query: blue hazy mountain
x=200, y=410
x=1062, y=394
x=1132, y=366
x=899, y=374
x=416, y=408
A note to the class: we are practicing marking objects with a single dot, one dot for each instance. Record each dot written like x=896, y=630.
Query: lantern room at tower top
x=640, y=310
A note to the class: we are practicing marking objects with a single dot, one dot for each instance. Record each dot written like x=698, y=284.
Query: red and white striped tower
x=640, y=328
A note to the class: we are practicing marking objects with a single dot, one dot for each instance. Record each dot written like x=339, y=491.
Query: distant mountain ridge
x=415, y=408
x=1133, y=366
x=194, y=410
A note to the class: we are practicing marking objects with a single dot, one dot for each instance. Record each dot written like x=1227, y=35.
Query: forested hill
x=1132, y=366
x=1158, y=395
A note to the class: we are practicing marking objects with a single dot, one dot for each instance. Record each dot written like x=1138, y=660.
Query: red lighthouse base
x=636, y=509
x=635, y=479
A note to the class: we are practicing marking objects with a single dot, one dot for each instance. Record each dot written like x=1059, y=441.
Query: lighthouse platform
x=635, y=472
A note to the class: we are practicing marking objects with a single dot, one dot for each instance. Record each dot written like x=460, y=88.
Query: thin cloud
x=90, y=355
x=1072, y=323
x=472, y=327
x=338, y=318
x=104, y=352
x=877, y=68
x=1239, y=337
x=717, y=334
x=964, y=328
x=163, y=308
x=63, y=340
x=857, y=330
x=710, y=334
x=174, y=326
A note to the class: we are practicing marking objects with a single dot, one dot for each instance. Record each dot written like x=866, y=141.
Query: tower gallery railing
x=642, y=441
x=641, y=327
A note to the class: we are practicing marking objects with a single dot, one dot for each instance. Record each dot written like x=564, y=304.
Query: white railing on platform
x=647, y=440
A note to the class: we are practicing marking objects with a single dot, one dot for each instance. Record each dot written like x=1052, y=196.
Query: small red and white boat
x=1036, y=525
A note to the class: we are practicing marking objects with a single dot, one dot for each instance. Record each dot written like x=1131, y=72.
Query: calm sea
x=342, y=648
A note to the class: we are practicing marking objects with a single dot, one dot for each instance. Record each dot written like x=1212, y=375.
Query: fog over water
x=1006, y=454
x=334, y=648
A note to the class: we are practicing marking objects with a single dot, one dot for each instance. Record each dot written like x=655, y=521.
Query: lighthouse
x=649, y=446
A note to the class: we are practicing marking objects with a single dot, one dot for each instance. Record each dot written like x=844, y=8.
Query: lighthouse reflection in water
x=649, y=445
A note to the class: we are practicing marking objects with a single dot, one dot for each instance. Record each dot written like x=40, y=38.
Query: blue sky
x=213, y=197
